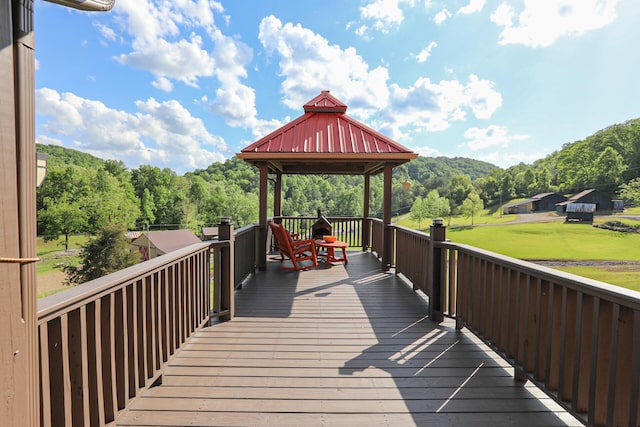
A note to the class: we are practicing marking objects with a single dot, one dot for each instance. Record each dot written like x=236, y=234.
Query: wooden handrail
x=104, y=341
x=576, y=338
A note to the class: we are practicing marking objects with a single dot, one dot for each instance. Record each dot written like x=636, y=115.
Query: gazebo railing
x=347, y=229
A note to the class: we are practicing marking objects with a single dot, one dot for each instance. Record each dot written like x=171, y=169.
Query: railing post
x=437, y=232
x=225, y=232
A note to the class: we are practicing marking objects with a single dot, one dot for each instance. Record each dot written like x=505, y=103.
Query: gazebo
x=325, y=140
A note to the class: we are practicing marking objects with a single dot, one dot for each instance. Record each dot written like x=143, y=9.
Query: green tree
x=630, y=192
x=419, y=211
x=62, y=217
x=608, y=168
x=472, y=206
x=106, y=253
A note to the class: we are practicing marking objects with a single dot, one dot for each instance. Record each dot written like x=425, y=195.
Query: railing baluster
x=613, y=363
x=45, y=379
x=508, y=347
x=84, y=350
x=634, y=406
x=577, y=353
x=562, y=365
x=98, y=386
x=549, y=335
x=66, y=375
x=593, y=373
x=538, y=327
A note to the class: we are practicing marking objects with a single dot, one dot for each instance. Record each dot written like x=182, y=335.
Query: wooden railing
x=104, y=341
x=377, y=233
x=576, y=338
x=347, y=229
x=101, y=343
x=245, y=247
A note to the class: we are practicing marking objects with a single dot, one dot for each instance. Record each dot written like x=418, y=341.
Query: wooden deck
x=343, y=346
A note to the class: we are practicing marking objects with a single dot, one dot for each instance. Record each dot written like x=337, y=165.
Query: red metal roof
x=325, y=128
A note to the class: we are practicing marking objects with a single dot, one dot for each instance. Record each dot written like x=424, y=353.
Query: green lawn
x=52, y=259
x=557, y=240
x=553, y=240
x=487, y=216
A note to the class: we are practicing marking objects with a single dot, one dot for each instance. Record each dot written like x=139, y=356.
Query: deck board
x=340, y=345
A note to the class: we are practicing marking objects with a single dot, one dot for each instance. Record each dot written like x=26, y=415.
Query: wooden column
x=387, y=239
x=18, y=344
x=227, y=285
x=436, y=269
x=366, y=230
x=262, y=217
x=277, y=196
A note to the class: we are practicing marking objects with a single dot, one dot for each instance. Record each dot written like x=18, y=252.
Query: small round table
x=331, y=247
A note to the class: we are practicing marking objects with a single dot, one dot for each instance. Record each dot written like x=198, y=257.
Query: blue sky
x=182, y=84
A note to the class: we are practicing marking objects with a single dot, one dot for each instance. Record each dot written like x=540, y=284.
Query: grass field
x=561, y=241
x=487, y=216
x=53, y=258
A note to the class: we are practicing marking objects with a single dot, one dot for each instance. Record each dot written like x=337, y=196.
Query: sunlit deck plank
x=337, y=346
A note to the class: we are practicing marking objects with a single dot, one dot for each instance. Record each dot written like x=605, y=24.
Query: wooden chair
x=295, y=250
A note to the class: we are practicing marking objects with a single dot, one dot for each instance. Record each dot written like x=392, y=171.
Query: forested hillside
x=83, y=193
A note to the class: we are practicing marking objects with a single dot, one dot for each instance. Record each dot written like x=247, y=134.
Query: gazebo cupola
x=325, y=140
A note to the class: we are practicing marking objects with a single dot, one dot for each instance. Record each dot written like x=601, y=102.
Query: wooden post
x=387, y=234
x=436, y=261
x=277, y=196
x=227, y=265
x=18, y=344
x=366, y=229
x=261, y=261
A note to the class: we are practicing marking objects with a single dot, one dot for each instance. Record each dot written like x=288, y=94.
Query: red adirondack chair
x=296, y=251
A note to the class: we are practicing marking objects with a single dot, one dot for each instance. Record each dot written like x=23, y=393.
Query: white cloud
x=106, y=32
x=541, y=23
x=441, y=16
x=184, y=60
x=430, y=106
x=491, y=136
x=473, y=7
x=427, y=151
x=384, y=13
x=159, y=47
x=308, y=64
x=504, y=160
x=163, y=83
x=160, y=133
x=426, y=52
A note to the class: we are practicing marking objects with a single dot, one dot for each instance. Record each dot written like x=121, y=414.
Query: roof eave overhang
x=327, y=163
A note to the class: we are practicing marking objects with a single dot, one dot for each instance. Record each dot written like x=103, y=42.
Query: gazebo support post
x=277, y=196
x=387, y=238
x=262, y=217
x=366, y=229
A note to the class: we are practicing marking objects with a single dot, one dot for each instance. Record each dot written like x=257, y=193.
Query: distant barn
x=158, y=243
x=580, y=212
x=542, y=202
x=601, y=201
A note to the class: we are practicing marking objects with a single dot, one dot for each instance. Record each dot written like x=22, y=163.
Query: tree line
x=82, y=194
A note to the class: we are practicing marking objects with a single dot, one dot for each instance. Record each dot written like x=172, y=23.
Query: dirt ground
x=51, y=281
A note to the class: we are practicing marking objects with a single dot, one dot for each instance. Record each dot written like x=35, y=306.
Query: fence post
x=227, y=267
x=437, y=233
